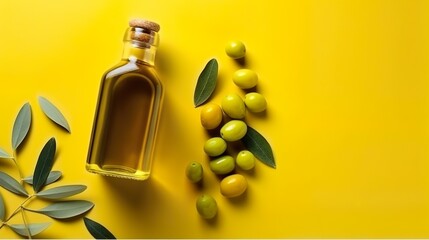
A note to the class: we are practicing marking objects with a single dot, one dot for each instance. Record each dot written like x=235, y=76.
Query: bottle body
x=127, y=117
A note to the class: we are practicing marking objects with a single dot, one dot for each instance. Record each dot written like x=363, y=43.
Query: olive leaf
x=9, y=183
x=206, y=83
x=2, y=209
x=66, y=209
x=97, y=230
x=44, y=165
x=32, y=228
x=53, y=113
x=52, y=177
x=4, y=154
x=259, y=146
x=61, y=192
x=21, y=125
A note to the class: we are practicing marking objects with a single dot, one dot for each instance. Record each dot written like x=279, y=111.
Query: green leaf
x=66, y=209
x=44, y=165
x=206, y=83
x=97, y=230
x=259, y=146
x=11, y=184
x=33, y=228
x=52, y=177
x=53, y=113
x=4, y=154
x=21, y=125
x=2, y=209
x=61, y=192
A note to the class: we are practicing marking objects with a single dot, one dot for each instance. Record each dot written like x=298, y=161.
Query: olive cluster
x=212, y=115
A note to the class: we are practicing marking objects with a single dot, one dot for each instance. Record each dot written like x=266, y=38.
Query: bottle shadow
x=134, y=194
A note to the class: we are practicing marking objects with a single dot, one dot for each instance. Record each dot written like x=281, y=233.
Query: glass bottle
x=128, y=108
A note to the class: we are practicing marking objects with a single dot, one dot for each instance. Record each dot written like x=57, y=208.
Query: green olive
x=255, y=102
x=233, y=185
x=233, y=105
x=211, y=116
x=215, y=146
x=222, y=165
x=245, y=160
x=194, y=171
x=206, y=206
x=233, y=130
x=235, y=49
x=245, y=78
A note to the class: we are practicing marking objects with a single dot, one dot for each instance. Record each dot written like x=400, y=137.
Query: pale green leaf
x=2, y=209
x=66, y=209
x=61, y=192
x=44, y=165
x=33, y=228
x=53, y=113
x=4, y=154
x=259, y=146
x=11, y=184
x=97, y=230
x=52, y=177
x=206, y=83
x=21, y=125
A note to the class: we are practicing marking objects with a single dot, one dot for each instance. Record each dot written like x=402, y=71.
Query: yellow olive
x=255, y=102
x=211, y=116
x=222, y=165
x=233, y=130
x=215, y=146
x=245, y=78
x=206, y=206
x=235, y=49
x=233, y=185
x=233, y=106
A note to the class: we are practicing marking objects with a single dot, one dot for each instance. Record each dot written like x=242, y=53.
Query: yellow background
x=346, y=84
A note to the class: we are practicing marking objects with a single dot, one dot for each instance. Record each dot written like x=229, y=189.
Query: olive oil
x=128, y=109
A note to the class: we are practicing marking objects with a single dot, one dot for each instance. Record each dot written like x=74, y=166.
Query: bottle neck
x=140, y=45
x=135, y=53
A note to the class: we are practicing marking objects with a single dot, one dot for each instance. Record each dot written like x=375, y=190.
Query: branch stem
x=25, y=223
x=17, y=166
x=17, y=210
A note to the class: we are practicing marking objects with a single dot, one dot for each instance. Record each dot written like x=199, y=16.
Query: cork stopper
x=146, y=24
x=142, y=37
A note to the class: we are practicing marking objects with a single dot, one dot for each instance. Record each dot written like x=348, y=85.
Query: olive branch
x=43, y=176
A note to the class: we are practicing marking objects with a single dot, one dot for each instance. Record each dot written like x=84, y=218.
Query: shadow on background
x=135, y=194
